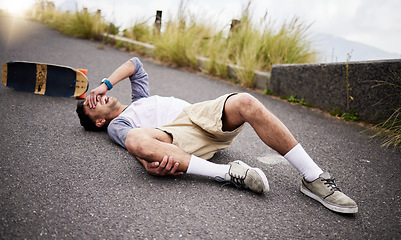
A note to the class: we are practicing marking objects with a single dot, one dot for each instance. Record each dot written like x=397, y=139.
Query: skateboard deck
x=44, y=79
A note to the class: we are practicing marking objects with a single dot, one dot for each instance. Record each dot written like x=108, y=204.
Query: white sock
x=203, y=167
x=298, y=157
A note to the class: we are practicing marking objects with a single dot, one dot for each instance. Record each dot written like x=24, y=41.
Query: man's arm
x=124, y=71
x=164, y=166
x=151, y=145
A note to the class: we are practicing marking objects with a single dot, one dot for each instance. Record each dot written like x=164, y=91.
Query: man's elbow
x=136, y=143
x=130, y=67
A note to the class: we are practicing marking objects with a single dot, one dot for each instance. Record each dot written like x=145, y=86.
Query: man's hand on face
x=95, y=94
x=165, y=167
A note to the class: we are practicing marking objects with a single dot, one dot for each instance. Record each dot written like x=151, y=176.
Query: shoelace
x=237, y=181
x=331, y=183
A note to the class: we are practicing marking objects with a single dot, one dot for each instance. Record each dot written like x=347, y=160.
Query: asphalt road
x=60, y=182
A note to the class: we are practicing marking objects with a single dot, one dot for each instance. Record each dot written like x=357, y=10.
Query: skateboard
x=45, y=79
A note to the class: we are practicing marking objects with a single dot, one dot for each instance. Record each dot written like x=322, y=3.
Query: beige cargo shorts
x=198, y=128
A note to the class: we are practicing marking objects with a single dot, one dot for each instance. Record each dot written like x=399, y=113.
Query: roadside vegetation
x=390, y=130
x=81, y=24
x=186, y=36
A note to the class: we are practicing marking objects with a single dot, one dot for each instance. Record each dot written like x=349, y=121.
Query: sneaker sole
x=328, y=205
x=261, y=174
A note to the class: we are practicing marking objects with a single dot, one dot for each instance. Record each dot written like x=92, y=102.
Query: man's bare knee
x=248, y=106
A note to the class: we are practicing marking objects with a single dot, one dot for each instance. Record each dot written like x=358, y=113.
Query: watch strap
x=108, y=84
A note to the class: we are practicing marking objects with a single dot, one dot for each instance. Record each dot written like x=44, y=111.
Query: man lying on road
x=154, y=127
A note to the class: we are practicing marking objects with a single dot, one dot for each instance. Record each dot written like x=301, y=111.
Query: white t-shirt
x=150, y=112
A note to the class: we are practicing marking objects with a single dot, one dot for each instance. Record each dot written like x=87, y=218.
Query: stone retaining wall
x=374, y=86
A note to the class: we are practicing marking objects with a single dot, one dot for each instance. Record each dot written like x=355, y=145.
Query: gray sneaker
x=327, y=193
x=244, y=176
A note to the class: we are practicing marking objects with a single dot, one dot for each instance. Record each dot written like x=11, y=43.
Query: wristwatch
x=108, y=84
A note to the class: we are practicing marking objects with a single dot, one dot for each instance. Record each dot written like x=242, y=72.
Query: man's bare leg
x=243, y=107
x=320, y=186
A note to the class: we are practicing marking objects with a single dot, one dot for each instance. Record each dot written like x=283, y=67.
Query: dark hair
x=86, y=121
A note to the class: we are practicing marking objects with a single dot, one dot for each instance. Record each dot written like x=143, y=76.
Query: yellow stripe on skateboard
x=80, y=84
x=41, y=74
x=4, y=74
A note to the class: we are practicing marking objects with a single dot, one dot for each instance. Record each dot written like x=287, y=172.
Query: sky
x=373, y=22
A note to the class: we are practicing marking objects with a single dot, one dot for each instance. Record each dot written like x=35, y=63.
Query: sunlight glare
x=17, y=8
x=14, y=29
